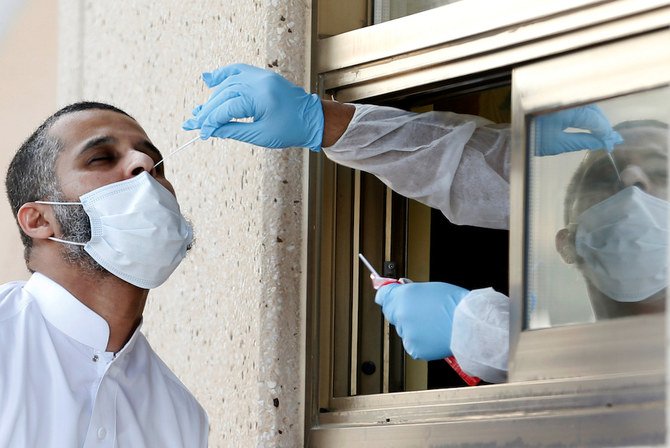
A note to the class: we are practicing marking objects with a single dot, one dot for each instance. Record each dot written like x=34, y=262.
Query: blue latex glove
x=284, y=115
x=551, y=138
x=422, y=314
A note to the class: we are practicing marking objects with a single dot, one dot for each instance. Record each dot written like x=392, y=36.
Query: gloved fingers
x=592, y=118
x=589, y=117
x=384, y=294
x=612, y=139
x=386, y=297
x=211, y=105
x=192, y=123
x=234, y=108
x=575, y=141
x=216, y=77
x=426, y=344
x=222, y=93
x=213, y=79
x=243, y=132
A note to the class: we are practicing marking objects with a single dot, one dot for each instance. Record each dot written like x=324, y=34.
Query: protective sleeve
x=456, y=163
x=480, y=334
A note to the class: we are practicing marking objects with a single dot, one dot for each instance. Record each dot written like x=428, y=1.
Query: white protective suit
x=460, y=165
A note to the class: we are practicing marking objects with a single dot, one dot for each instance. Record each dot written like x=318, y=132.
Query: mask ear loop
x=57, y=203
x=53, y=238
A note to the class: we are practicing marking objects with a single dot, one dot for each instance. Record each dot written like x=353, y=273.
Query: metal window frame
x=392, y=56
x=387, y=60
x=546, y=86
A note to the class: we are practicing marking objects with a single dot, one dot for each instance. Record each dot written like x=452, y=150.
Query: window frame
x=391, y=57
x=385, y=61
x=543, y=87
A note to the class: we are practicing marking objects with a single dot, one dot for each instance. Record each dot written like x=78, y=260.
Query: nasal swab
x=368, y=265
x=185, y=145
x=616, y=169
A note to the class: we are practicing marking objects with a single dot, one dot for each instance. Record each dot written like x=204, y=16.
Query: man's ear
x=36, y=220
x=565, y=246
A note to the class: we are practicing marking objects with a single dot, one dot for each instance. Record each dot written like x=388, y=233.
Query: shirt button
x=102, y=433
x=95, y=358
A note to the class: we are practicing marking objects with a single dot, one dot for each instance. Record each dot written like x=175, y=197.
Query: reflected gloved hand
x=283, y=114
x=551, y=137
x=422, y=314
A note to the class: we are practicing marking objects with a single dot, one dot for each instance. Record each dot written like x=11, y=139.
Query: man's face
x=642, y=162
x=101, y=147
x=644, y=167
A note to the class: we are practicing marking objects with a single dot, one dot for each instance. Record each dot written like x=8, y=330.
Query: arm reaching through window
x=458, y=164
x=437, y=320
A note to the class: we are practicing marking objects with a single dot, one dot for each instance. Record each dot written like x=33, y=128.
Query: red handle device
x=469, y=380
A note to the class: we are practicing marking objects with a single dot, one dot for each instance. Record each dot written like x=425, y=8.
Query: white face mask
x=137, y=230
x=623, y=241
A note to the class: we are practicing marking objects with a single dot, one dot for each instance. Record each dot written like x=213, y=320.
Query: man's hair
x=31, y=175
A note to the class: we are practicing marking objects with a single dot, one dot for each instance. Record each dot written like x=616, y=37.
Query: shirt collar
x=69, y=315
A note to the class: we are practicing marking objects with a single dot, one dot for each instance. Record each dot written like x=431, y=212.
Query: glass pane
x=598, y=220
x=385, y=10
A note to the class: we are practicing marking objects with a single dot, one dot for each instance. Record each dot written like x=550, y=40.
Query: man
x=75, y=369
x=616, y=222
x=456, y=163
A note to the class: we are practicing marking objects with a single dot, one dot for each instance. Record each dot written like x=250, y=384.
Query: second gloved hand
x=283, y=114
x=552, y=138
x=423, y=314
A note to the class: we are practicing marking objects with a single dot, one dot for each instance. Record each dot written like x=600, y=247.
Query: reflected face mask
x=623, y=241
x=137, y=230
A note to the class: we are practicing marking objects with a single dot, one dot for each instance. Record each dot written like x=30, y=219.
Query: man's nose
x=138, y=162
x=633, y=175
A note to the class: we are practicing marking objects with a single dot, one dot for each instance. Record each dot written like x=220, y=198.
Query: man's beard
x=76, y=227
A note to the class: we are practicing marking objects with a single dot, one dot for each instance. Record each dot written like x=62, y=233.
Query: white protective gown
x=458, y=164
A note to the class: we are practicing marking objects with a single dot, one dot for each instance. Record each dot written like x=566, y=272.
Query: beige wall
x=228, y=321
x=27, y=97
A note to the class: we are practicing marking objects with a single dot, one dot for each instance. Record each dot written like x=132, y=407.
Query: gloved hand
x=551, y=138
x=284, y=115
x=422, y=314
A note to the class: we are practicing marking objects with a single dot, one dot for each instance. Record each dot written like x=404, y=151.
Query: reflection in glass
x=598, y=219
x=385, y=10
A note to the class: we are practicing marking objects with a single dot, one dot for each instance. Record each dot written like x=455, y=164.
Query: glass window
x=385, y=10
x=339, y=16
x=589, y=213
x=598, y=219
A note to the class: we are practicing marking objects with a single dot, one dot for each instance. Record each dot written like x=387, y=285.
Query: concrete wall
x=28, y=63
x=228, y=321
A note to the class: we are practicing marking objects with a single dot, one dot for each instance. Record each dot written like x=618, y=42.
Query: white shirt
x=60, y=388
